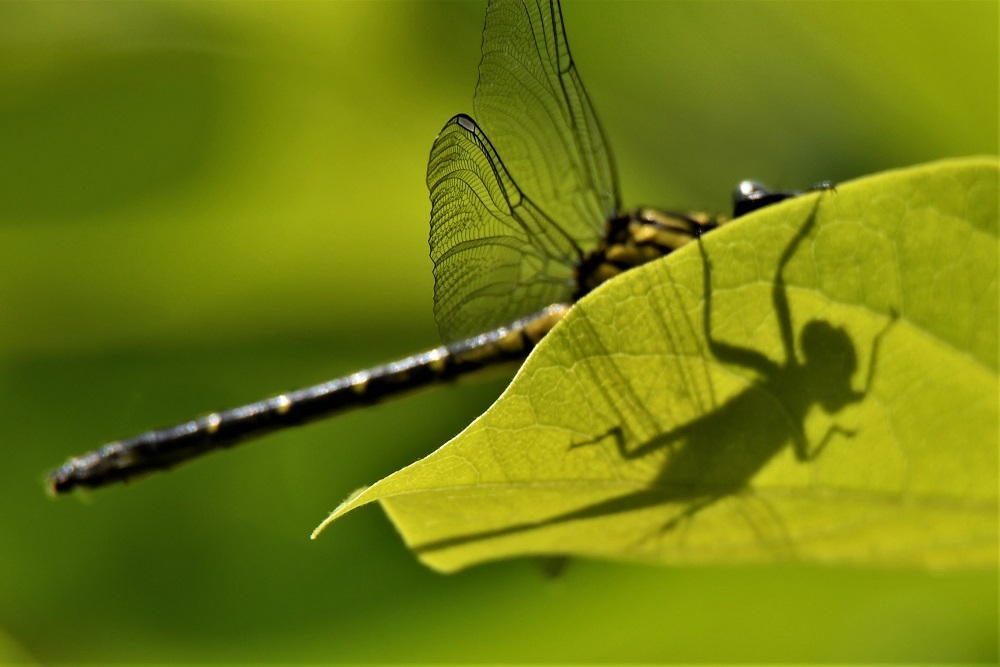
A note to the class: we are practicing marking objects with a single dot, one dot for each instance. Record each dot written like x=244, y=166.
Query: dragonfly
x=514, y=243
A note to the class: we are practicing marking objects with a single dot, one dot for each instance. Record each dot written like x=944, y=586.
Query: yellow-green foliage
x=910, y=472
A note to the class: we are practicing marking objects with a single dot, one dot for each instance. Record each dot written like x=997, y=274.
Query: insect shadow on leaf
x=706, y=460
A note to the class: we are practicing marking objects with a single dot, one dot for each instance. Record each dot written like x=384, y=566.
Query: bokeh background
x=203, y=204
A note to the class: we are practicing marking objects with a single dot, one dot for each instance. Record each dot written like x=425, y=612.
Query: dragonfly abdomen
x=164, y=448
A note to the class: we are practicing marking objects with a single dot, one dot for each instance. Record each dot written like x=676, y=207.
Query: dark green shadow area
x=110, y=131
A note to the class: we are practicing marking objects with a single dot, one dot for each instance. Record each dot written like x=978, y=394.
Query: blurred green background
x=205, y=203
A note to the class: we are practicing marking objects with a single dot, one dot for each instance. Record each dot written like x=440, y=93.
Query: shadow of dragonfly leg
x=617, y=434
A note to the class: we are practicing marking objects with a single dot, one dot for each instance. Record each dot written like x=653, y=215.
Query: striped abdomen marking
x=162, y=449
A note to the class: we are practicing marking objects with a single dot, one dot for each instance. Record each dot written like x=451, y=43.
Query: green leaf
x=626, y=435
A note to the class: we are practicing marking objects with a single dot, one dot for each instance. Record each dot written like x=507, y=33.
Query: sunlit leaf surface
x=627, y=435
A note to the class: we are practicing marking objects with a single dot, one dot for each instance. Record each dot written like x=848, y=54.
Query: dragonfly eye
x=749, y=190
x=749, y=196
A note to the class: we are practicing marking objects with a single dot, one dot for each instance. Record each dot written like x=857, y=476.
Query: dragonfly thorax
x=638, y=237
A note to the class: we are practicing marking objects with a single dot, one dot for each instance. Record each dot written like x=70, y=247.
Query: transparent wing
x=532, y=102
x=497, y=256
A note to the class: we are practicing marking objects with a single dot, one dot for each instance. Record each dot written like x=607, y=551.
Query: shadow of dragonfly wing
x=532, y=102
x=497, y=256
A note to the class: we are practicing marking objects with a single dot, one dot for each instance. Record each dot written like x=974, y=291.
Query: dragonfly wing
x=497, y=257
x=531, y=100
